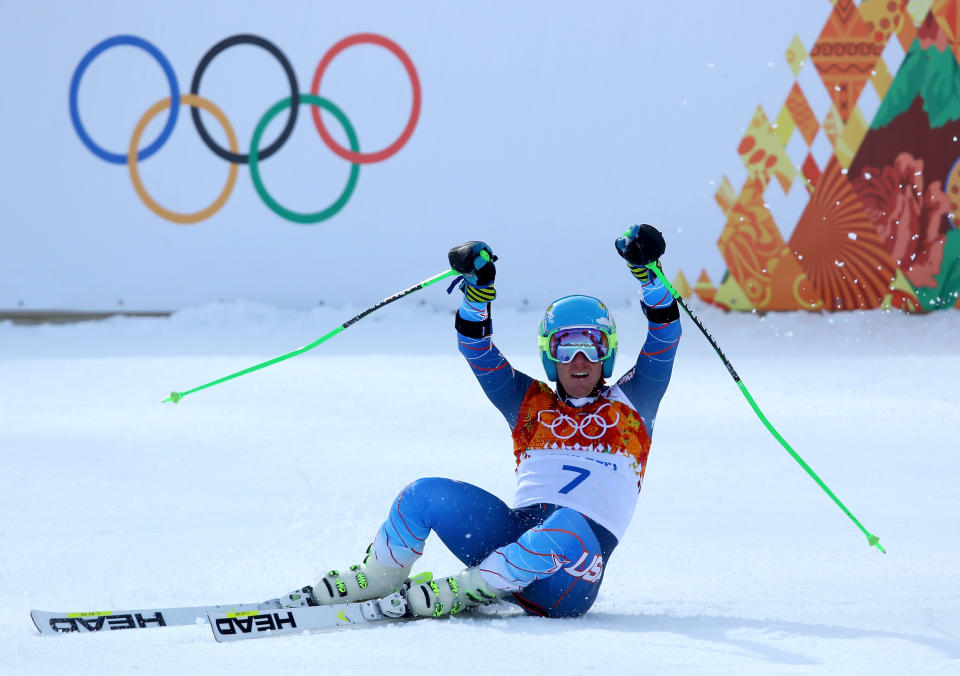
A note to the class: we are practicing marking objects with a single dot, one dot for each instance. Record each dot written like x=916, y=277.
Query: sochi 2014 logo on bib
x=590, y=425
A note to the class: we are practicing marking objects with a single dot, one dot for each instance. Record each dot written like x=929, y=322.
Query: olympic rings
x=233, y=156
x=294, y=95
x=183, y=219
x=75, y=86
x=394, y=48
x=255, y=166
x=564, y=422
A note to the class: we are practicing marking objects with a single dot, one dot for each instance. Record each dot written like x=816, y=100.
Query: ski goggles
x=562, y=345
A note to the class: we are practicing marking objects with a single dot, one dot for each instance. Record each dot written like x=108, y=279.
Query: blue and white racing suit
x=580, y=466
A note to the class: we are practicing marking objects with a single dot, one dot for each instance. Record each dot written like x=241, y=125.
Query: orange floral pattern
x=803, y=116
x=909, y=217
x=545, y=422
x=764, y=155
x=838, y=247
x=759, y=260
x=880, y=237
x=845, y=54
x=749, y=241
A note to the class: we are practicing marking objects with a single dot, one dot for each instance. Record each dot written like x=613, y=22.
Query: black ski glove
x=639, y=246
x=474, y=260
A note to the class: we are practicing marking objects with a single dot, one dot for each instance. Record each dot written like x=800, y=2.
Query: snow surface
x=736, y=562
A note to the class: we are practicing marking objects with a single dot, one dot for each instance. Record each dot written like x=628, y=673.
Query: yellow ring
x=163, y=212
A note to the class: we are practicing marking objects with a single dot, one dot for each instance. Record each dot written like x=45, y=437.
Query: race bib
x=601, y=486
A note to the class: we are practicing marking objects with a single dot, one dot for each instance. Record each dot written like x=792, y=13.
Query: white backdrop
x=546, y=129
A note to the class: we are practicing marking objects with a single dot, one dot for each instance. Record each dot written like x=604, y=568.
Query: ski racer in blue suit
x=581, y=453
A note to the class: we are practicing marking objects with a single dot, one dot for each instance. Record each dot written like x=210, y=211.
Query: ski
x=229, y=621
x=49, y=623
x=239, y=624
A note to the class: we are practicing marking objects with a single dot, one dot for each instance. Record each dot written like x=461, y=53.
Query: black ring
x=244, y=39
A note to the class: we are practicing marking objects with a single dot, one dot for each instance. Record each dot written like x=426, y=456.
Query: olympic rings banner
x=543, y=128
x=254, y=155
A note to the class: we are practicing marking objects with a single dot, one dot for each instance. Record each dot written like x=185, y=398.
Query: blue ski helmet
x=577, y=311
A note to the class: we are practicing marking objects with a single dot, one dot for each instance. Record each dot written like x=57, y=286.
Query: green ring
x=276, y=207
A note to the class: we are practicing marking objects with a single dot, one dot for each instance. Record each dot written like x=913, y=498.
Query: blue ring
x=133, y=41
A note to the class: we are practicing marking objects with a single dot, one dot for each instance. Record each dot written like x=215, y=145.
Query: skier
x=581, y=453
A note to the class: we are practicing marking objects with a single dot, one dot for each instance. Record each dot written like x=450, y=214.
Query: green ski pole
x=175, y=396
x=872, y=539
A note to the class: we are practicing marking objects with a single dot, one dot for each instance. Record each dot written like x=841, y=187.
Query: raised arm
x=502, y=384
x=646, y=382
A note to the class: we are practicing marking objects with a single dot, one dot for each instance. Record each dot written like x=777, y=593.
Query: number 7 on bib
x=581, y=473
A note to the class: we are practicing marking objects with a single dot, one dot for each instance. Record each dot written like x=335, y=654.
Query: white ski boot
x=451, y=595
x=368, y=580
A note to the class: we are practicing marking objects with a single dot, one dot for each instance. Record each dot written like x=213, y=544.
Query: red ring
x=380, y=155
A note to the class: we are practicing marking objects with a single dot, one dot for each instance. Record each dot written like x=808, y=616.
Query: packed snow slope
x=736, y=561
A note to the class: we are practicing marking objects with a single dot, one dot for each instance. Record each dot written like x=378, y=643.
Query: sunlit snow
x=736, y=561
